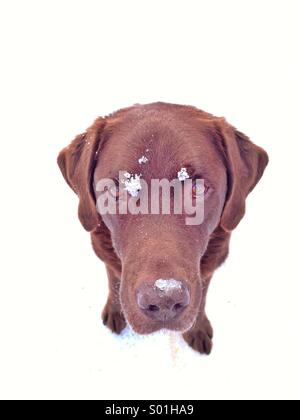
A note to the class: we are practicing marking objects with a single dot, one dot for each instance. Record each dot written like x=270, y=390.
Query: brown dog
x=159, y=268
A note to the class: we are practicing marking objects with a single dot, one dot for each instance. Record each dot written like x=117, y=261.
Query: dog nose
x=164, y=299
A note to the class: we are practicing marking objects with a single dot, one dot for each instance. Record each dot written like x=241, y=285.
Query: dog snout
x=164, y=299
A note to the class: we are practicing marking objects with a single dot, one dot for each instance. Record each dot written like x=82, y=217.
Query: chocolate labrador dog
x=159, y=266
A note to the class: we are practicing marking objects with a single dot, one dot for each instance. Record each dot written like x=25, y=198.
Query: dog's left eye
x=199, y=189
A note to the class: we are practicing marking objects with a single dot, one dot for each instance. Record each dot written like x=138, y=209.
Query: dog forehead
x=155, y=148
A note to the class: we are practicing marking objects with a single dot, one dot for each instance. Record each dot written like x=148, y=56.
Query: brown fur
x=177, y=136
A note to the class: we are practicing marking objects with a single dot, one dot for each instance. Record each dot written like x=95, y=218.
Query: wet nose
x=164, y=299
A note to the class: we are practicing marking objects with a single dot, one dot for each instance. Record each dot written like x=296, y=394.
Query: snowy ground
x=62, y=64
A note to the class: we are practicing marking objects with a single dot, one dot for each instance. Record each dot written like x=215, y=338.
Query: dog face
x=160, y=254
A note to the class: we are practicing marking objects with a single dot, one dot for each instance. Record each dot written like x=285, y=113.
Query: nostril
x=153, y=308
x=177, y=307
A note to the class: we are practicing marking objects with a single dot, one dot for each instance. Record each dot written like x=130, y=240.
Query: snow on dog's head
x=143, y=160
x=183, y=174
x=132, y=183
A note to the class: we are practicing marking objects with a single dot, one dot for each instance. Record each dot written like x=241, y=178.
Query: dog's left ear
x=246, y=163
x=77, y=163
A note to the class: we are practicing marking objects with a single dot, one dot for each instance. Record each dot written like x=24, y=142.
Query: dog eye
x=114, y=191
x=199, y=189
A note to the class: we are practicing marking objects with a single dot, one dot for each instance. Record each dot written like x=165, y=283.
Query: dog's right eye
x=114, y=191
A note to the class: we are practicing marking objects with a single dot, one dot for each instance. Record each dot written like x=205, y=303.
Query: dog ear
x=77, y=163
x=246, y=163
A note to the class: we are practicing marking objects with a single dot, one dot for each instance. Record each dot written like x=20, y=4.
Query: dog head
x=161, y=254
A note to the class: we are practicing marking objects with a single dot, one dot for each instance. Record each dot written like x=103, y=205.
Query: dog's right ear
x=77, y=163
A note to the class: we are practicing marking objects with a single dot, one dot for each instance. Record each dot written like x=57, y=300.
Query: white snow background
x=63, y=63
